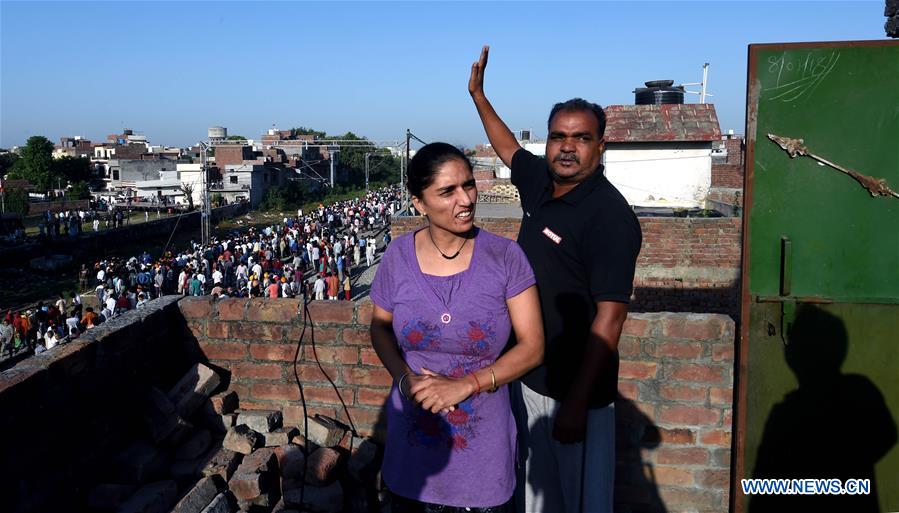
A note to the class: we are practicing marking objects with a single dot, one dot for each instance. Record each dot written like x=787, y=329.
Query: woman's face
x=450, y=200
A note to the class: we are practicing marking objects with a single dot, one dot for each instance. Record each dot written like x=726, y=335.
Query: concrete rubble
x=202, y=454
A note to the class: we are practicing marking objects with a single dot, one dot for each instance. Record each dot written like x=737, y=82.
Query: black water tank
x=658, y=92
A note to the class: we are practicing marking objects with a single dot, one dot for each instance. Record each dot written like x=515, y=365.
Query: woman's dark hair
x=427, y=161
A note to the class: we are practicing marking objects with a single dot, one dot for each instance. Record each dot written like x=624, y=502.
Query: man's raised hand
x=476, y=81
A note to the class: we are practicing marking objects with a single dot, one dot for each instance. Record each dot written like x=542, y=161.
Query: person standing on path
x=582, y=239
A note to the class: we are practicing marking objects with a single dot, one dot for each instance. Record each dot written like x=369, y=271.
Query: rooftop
x=657, y=123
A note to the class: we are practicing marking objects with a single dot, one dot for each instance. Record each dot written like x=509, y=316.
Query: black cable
x=325, y=374
x=302, y=311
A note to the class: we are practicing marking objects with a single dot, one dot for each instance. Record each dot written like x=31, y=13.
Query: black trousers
x=403, y=505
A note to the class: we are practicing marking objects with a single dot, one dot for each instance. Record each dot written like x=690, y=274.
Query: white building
x=191, y=175
x=661, y=155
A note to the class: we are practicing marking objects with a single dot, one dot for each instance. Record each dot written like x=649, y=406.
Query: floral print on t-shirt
x=418, y=335
x=457, y=428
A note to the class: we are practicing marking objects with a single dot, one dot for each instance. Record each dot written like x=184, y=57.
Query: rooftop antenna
x=703, y=85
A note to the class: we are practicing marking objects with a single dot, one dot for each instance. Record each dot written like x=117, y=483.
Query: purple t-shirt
x=452, y=325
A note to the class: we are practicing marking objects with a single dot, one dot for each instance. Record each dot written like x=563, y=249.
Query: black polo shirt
x=583, y=247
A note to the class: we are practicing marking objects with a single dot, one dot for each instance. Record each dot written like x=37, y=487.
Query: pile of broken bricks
x=202, y=454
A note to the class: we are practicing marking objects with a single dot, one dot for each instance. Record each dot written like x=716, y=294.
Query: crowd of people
x=312, y=254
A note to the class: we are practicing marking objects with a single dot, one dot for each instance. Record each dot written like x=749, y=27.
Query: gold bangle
x=493, y=379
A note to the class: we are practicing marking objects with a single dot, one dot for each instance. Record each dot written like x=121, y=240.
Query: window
x=233, y=178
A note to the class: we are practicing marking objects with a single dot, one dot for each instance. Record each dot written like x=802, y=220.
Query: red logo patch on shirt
x=552, y=236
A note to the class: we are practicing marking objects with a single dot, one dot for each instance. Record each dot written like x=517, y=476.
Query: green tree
x=80, y=191
x=6, y=161
x=72, y=169
x=36, y=163
x=16, y=200
x=236, y=138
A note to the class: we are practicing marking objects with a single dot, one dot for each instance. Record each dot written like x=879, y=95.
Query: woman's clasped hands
x=436, y=393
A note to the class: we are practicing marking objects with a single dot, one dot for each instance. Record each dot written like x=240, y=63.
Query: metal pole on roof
x=705, y=82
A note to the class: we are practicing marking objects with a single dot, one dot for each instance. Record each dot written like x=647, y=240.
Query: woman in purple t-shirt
x=446, y=300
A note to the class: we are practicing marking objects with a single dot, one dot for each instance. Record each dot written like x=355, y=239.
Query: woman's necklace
x=448, y=257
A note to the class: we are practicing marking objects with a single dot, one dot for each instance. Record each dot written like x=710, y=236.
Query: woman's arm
x=441, y=393
x=383, y=340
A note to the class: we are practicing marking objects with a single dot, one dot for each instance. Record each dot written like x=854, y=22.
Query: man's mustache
x=567, y=156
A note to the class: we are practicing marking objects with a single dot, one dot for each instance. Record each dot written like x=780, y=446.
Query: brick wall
x=674, y=416
x=727, y=175
x=685, y=264
x=68, y=411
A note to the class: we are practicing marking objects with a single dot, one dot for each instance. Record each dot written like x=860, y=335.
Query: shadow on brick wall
x=723, y=300
x=636, y=490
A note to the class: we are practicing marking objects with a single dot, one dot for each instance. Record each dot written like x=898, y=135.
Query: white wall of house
x=660, y=175
x=192, y=174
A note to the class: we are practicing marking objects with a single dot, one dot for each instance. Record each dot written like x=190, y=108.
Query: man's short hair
x=579, y=105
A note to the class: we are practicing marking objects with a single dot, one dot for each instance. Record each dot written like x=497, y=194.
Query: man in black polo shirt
x=582, y=240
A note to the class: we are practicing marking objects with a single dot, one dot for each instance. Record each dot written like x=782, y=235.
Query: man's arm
x=501, y=138
x=571, y=420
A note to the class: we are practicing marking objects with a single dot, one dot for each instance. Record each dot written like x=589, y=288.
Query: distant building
x=73, y=147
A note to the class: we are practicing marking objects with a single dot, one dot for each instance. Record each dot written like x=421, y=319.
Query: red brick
x=673, y=476
x=721, y=352
x=273, y=310
x=242, y=390
x=628, y=346
x=322, y=335
x=334, y=312
x=635, y=327
x=250, y=405
x=334, y=354
x=195, y=307
x=371, y=376
x=231, y=309
x=678, y=393
x=327, y=395
x=687, y=499
x=677, y=436
x=698, y=373
x=364, y=417
x=681, y=456
x=679, y=327
x=275, y=392
x=727, y=417
x=718, y=437
x=721, y=396
x=224, y=350
x=636, y=370
x=257, y=371
x=372, y=396
x=688, y=415
x=273, y=352
x=675, y=350
x=628, y=390
x=293, y=414
x=310, y=372
x=369, y=357
x=249, y=331
x=364, y=312
x=197, y=329
x=356, y=336
x=714, y=479
x=216, y=329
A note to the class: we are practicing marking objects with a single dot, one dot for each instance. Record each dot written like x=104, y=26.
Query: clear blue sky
x=172, y=69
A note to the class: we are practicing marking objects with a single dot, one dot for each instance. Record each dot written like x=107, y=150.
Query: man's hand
x=476, y=81
x=439, y=394
x=571, y=422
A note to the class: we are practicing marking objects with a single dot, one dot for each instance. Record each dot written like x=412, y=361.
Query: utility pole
x=207, y=211
x=367, y=155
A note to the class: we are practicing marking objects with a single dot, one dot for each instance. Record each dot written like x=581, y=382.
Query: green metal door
x=818, y=375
